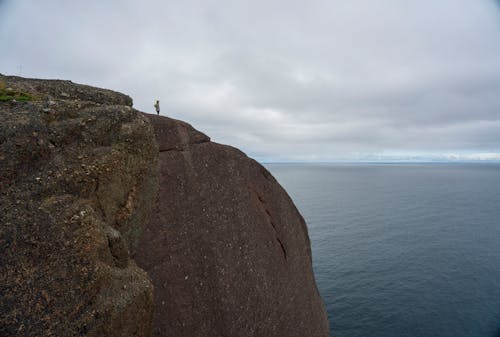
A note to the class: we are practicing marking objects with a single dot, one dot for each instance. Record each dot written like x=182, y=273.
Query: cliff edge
x=226, y=249
x=100, y=202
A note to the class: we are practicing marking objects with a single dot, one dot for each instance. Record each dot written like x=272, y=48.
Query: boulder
x=226, y=249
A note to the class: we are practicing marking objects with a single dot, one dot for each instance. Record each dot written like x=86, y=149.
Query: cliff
x=99, y=202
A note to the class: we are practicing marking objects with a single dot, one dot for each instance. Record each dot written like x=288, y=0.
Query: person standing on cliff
x=157, y=107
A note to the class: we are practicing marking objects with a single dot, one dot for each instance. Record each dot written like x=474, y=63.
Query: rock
x=54, y=89
x=226, y=249
x=77, y=180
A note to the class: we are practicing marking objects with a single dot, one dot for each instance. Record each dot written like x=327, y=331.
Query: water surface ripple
x=403, y=250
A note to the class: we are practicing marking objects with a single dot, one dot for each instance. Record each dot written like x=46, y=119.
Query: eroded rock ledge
x=82, y=175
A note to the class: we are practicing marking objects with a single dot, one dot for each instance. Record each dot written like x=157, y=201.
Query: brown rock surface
x=78, y=174
x=227, y=251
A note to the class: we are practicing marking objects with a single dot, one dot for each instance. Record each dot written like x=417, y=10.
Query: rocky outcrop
x=227, y=251
x=78, y=174
x=83, y=174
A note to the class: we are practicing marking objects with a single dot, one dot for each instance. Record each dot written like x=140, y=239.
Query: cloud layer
x=283, y=80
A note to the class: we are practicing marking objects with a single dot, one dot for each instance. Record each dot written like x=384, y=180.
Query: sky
x=316, y=80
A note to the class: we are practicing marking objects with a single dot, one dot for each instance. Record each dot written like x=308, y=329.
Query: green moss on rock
x=9, y=94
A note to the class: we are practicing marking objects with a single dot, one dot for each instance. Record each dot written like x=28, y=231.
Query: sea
x=403, y=250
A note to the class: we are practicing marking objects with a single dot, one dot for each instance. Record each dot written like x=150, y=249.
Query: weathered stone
x=77, y=180
x=227, y=251
x=172, y=134
x=51, y=90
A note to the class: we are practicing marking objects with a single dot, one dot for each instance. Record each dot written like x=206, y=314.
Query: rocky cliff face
x=228, y=252
x=226, y=249
x=78, y=173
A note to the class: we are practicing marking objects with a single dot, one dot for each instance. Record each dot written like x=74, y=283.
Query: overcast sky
x=283, y=80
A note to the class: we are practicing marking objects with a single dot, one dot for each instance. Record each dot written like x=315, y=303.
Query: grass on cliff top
x=10, y=94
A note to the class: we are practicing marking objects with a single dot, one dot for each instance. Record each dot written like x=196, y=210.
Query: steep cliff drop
x=227, y=251
x=82, y=174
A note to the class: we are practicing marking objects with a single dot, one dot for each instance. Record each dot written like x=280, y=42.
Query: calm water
x=403, y=250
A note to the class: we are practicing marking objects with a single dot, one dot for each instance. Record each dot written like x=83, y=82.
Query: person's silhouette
x=157, y=107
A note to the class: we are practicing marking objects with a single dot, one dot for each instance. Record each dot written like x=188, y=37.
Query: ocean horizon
x=403, y=249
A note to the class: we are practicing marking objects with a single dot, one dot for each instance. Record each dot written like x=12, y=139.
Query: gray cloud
x=287, y=80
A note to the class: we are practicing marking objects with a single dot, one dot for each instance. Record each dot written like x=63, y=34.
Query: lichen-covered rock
x=227, y=251
x=78, y=176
